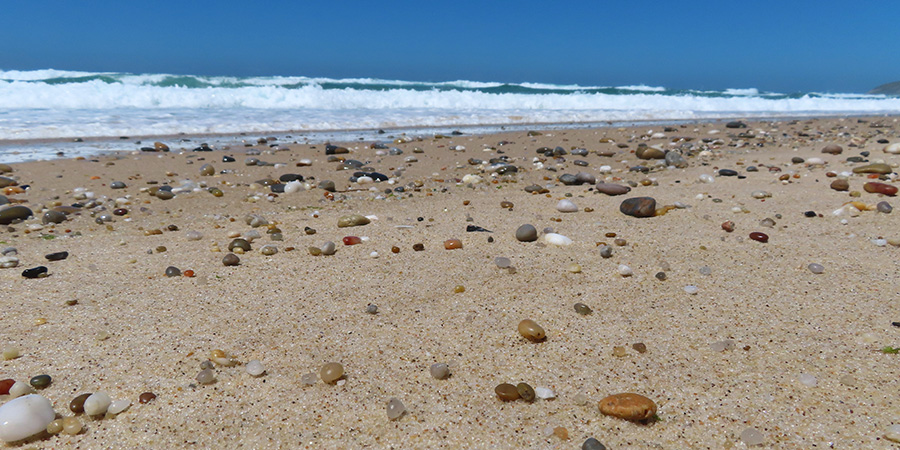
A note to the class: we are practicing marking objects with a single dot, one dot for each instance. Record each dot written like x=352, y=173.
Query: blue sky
x=784, y=46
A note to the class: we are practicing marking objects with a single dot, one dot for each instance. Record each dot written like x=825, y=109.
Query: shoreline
x=738, y=335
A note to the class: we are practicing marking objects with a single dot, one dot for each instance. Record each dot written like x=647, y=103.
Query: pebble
x=8, y=262
x=395, y=409
x=506, y=392
x=880, y=188
x=268, y=250
x=639, y=207
x=418, y=247
x=566, y=206
x=331, y=372
x=439, y=371
x=502, y=262
x=759, y=237
x=18, y=212
x=728, y=226
x=816, y=268
x=706, y=178
x=231, y=260
x=530, y=330
x=353, y=220
x=884, y=207
x=760, y=194
x=691, y=289
x=207, y=170
x=19, y=389
x=526, y=233
x=808, y=380
x=5, y=385
x=10, y=353
x=892, y=433
x=206, y=376
x=58, y=256
x=544, y=393
x=727, y=173
x=193, y=235
x=146, y=397
x=242, y=244
x=840, y=185
x=40, y=381
x=173, y=271
x=372, y=308
x=628, y=406
x=451, y=244
x=35, y=272
x=557, y=239
x=612, y=189
x=592, y=444
x=583, y=309
x=255, y=368
x=625, y=271
x=77, y=403
x=526, y=392
x=833, y=149
x=25, y=416
x=309, y=379
x=606, y=251
x=751, y=437
x=351, y=240
x=893, y=149
x=97, y=403
x=869, y=168
x=118, y=407
x=661, y=276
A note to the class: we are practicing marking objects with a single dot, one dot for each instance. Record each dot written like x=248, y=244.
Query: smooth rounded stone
x=506, y=392
x=165, y=195
x=628, y=406
x=691, y=289
x=816, y=268
x=585, y=178
x=893, y=149
x=566, y=206
x=8, y=262
x=706, y=178
x=881, y=168
x=833, y=149
x=395, y=409
x=207, y=170
x=880, y=188
x=268, y=250
x=675, y=159
x=592, y=444
x=372, y=308
x=759, y=237
x=530, y=330
x=557, y=239
x=705, y=270
x=639, y=207
x=612, y=189
x=884, y=207
x=760, y=194
x=231, y=260
x=206, y=376
x=661, y=276
x=146, y=397
x=10, y=353
x=526, y=392
x=173, y=271
x=328, y=248
x=309, y=379
x=649, y=153
x=19, y=389
x=751, y=437
x=6, y=385
x=71, y=426
x=727, y=173
x=526, y=233
x=502, y=262
x=808, y=380
x=24, y=417
x=97, y=403
x=892, y=433
x=331, y=372
x=35, y=272
x=439, y=371
x=606, y=251
x=118, y=406
x=40, y=381
x=255, y=368
x=5, y=168
x=624, y=270
x=797, y=160
x=6, y=182
x=568, y=179
x=583, y=309
x=18, y=212
x=452, y=244
x=353, y=220
x=160, y=147
x=242, y=244
x=77, y=403
x=840, y=185
x=767, y=222
x=55, y=427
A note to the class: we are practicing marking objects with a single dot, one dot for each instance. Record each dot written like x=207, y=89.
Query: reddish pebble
x=5, y=385
x=728, y=226
x=147, y=397
x=451, y=244
x=760, y=237
x=188, y=273
x=880, y=188
x=352, y=240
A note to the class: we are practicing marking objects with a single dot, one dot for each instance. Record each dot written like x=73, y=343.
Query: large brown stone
x=639, y=207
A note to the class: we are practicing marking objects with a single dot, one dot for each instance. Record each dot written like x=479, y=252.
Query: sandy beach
x=757, y=341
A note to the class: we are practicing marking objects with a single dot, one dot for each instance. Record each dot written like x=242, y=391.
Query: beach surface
x=742, y=342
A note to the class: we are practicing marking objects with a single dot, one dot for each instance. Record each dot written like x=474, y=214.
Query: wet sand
x=135, y=330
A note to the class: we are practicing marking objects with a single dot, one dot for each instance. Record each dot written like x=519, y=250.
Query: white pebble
x=19, y=389
x=879, y=242
x=892, y=433
x=10, y=353
x=395, y=408
x=892, y=149
x=293, y=186
x=808, y=380
x=751, y=437
x=118, y=406
x=255, y=368
x=365, y=180
x=7, y=262
x=625, y=271
x=471, y=179
x=566, y=206
x=97, y=403
x=815, y=162
x=557, y=239
x=544, y=393
x=691, y=289
x=760, y=194
x=373, y=255
x=604, y=169
x=706, y=178
x=24, y=417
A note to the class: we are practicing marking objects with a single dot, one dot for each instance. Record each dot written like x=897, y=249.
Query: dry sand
x=295, y=312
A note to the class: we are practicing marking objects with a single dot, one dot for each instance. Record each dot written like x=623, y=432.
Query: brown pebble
x=147, y=397
x=526, y=392
x=759, y=237
x=833, y=149
x=231, y=260
x=77, y=403
x=419, y=247
x=840, y=185
x=395, y=249
x=880, y=188
x=331, y=372
x=561, y=432
x=639, y=347
x=507, y=392
x=628, y=406
x=451, y=244
x=639, y=207
x=728, y=226
x=506, y=205
x=530, y=330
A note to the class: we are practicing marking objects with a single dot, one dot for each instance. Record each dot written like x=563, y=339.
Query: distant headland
x=887, y=89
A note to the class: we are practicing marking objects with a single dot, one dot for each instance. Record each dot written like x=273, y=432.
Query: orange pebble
x=188, y=273
x=11, y=190
x=451, y=244
x=95, y=177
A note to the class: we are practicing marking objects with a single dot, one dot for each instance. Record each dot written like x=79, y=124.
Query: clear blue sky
x=784, y=46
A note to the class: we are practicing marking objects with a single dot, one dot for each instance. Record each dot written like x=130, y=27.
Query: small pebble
x=309, y=379
x=557, y=239
x=566, y=206
x=892, y=433
x=24, y=417
x=606, y=251
x=19, y=389
x=502, y=262
x=628, y=406
x=751, y=437
x=97, y=404
x=639, y=207
x=506, y=392
x=58, y=256
x=625, y=271
x=331, y=372
x=759, y=237
x=118, y=407
x=173, y=271
x=5, y=385
x=526, y=392
x=526, y=233
x=592, y=444
x=10, y=353
x=231, y=260
x=395, y=408
x=77, y=403
x=583, y=309
x=816, y=268
x=691, y=289
x=561, y=432
x=206, y=376
x=639, y=347
x=451, y=244
x=35, y=272
x=255, y=368
x=808, y=380
x=55, y=427
x=530, y=330
x=41, y=381
x=884, y=207
x=544, y=393
x=372, y=308
x=661, y=276
x=146, y=397
x=440, y=371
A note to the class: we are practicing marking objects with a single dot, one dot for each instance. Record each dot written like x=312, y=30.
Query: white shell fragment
x=544, y=393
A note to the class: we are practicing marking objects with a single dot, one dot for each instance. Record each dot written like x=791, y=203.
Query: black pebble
x=34, y=272
x=471, y=228
x=226, y=159
x=728, y=173
x=896, y=324
x=810, y=214
x=58, y=256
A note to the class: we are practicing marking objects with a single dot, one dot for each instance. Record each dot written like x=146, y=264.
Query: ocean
x=43, y=112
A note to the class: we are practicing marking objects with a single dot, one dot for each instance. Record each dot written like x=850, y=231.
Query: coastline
x=135, y=329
